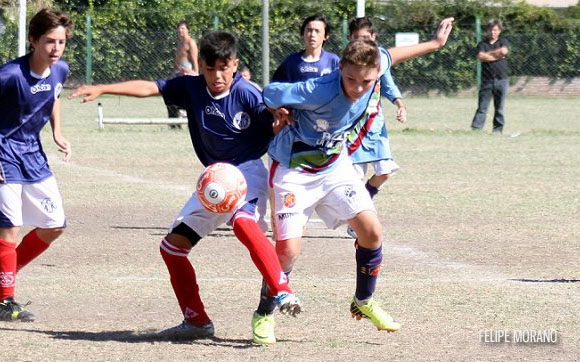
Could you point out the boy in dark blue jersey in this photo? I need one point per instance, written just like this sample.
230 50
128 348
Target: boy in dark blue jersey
228 122
313 61
30 87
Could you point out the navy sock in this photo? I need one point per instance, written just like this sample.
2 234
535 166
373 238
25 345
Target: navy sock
371 189
368 265
268 304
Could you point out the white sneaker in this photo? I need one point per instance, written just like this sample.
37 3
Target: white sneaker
288 304
187 331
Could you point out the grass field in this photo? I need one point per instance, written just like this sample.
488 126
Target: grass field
481 234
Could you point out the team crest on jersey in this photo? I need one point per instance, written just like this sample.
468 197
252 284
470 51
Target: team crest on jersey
57 90
241 120
44 87
289 199
321 125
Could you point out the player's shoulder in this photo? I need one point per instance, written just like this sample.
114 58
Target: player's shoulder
13 66
330 55
324 86
62 66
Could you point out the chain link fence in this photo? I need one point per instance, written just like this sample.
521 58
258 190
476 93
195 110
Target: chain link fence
124 52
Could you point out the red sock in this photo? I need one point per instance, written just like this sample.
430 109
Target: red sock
7 269
30 247
262 252
184 283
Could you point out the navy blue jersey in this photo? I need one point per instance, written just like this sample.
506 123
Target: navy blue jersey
295 69
26 104
234 127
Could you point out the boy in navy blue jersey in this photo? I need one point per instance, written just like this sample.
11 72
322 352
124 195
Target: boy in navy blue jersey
228 122
313 61
30 87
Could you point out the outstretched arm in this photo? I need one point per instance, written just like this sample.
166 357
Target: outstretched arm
402 54
132 88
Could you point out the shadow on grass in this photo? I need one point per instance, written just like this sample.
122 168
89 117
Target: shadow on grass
546 280
127 336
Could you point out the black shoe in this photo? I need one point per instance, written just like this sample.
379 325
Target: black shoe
12 311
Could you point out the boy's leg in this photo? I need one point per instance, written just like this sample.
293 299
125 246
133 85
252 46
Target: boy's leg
41 206
35 243
369 256
500 91
174 250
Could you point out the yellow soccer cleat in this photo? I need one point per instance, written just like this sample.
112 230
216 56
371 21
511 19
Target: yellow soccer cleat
263 328
379 317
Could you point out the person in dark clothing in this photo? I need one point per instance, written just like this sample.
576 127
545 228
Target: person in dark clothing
492 53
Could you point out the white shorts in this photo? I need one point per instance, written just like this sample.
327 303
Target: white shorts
203 221
38 205
381 167
336 196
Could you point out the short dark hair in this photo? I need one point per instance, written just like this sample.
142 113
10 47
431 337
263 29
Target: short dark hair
217 45
182 22
362 53
316 17
47 19
361 23
493 22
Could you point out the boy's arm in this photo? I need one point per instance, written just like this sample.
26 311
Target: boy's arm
132 88
401 110
402 54
55 124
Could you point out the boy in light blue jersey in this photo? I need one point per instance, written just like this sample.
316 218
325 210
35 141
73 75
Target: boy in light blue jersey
30 88
311 170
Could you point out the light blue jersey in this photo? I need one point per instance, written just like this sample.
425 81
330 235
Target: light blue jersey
324 118
373 144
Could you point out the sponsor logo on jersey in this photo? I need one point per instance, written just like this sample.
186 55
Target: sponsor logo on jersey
289 199
241 120
48 205
308 69
57 90
44 87
329 140
285 215
321 125
213 110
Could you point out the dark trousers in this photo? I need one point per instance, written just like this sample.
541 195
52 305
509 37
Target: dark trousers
498 88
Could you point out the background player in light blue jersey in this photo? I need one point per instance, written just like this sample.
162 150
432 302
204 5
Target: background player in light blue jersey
311 170
313 61
30 87
372 146
228 122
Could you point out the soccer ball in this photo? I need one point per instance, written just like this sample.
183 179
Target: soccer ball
221 187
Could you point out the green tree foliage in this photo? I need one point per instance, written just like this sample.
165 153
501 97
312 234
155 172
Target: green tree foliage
136 39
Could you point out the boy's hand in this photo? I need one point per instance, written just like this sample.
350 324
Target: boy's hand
282 117
402 114
443 31
63 146
89 92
